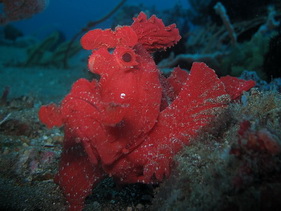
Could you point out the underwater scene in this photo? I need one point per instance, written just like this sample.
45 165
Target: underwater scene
135 105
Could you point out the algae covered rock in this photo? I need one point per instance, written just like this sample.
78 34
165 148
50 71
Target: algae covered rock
51 51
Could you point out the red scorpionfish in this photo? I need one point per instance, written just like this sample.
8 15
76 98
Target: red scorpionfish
132 121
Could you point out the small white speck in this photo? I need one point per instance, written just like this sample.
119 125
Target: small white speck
122 95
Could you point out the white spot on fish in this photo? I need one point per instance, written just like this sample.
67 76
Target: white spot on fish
122 95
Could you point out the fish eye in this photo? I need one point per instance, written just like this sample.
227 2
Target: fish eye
127 57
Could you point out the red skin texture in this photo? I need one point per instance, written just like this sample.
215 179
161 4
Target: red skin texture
131 122
235 87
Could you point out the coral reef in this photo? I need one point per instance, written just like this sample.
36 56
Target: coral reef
247 56
238 46
237 167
